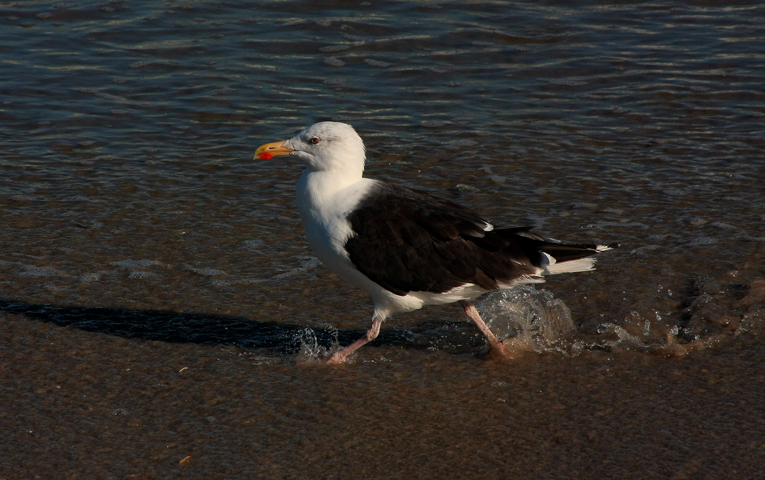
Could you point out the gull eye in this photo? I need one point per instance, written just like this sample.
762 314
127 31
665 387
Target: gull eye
315 140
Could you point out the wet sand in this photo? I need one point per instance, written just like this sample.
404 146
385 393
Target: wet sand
82 404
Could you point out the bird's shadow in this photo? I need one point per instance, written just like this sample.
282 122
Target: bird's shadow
201 328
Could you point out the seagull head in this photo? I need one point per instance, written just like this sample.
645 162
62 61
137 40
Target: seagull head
323 146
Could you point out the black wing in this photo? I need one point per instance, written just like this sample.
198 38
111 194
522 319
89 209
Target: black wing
407 240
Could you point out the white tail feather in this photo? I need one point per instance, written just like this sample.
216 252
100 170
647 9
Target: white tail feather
570 266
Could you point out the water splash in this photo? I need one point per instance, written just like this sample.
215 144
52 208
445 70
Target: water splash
528 319
311 348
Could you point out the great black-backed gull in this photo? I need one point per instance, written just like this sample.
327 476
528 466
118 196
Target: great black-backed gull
405 247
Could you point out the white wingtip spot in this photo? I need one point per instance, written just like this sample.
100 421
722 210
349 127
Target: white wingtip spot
488 227
602 248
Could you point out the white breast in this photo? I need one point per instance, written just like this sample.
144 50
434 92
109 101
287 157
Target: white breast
324 203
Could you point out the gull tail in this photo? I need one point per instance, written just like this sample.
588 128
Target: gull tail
557 257
570 258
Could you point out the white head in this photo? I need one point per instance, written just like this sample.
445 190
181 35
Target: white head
324 146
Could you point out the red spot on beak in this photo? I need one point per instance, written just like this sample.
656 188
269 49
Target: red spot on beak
265 156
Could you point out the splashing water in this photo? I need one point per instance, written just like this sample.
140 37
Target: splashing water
528 319
311 348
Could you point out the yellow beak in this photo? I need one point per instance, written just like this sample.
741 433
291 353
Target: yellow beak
270 150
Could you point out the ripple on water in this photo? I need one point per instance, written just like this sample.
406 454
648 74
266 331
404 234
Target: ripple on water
335 62
33 271
143 263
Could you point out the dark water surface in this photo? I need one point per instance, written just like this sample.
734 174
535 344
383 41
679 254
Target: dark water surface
158 300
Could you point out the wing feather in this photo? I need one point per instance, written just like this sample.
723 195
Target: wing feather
408 240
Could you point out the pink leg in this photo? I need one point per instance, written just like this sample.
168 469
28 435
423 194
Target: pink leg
471 312
374 330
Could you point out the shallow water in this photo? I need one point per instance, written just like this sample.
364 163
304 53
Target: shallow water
159 300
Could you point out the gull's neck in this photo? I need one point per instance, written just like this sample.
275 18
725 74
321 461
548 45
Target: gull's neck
316 190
